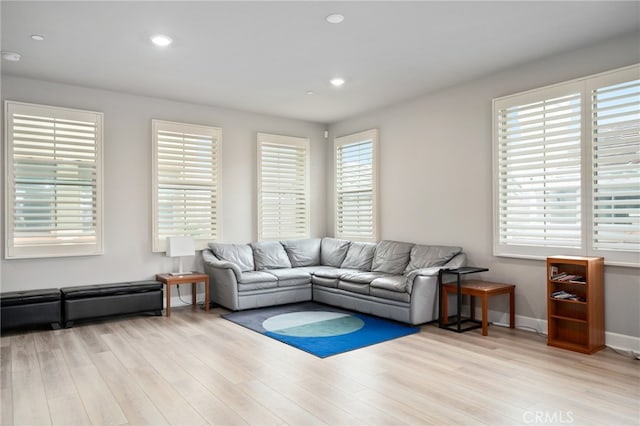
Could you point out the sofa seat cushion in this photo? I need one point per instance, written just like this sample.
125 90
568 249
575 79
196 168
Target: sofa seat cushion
353 287
290 277
25 297
333 251
390 295
335 272
391 257
324 282
305 252
256 280
359 256
329 277
102 290
240 254
362 277
423 256
397 283
269 255
316 269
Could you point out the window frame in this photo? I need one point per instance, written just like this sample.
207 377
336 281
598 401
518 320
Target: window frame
200 243
353 139
585 85
297 143
59 249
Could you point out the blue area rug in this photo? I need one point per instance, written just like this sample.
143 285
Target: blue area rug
319 329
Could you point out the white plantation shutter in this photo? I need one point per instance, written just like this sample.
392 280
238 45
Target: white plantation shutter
54 181
567 169
615 132
283 187
186 183
539 169
355 186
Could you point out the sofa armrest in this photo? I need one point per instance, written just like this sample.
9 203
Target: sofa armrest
223 280
213 262
457 261
424 272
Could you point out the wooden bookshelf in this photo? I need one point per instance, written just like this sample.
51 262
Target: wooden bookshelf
575 323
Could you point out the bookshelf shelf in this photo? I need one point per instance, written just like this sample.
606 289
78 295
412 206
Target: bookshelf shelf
559 317
575 310
567 282
568 301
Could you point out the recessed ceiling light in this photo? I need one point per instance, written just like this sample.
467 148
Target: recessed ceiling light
335 18
337 82
310 92
37 37
11 56
161 40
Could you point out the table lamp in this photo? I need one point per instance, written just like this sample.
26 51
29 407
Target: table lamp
179 247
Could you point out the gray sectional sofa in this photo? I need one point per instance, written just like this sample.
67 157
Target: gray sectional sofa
390 279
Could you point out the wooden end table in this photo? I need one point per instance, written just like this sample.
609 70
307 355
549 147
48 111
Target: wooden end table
193 278
483 289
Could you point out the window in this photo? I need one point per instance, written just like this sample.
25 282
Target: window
356 202
54 181
567 169
615 151
539 160
186 192
283 187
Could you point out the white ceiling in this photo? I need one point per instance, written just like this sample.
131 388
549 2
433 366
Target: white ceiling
264 56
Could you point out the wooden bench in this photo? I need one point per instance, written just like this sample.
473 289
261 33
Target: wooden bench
481 289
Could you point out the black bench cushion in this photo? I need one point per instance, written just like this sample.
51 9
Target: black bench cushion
101 290
15 298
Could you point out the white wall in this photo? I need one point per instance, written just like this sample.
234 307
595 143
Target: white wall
436 175
127 181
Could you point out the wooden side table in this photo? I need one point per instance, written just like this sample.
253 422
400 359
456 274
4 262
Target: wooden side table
481 289
193 278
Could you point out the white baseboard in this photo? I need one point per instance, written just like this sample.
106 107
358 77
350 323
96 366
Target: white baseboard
622 342
619 342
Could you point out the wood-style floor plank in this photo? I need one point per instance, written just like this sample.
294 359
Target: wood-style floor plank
291 411
30 405
6 383
170 403
55 374
196 368
250 410
6 406
136 406
68 410
99 402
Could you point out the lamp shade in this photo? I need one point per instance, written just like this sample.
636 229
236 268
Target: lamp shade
180 246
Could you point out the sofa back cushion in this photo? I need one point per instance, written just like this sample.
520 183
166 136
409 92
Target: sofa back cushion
333 251
240 254
391 257
304 252
423 256
359 256
269 255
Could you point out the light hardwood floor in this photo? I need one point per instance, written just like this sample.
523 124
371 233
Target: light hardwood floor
196 368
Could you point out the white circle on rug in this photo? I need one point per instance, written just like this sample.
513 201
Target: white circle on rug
313 324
